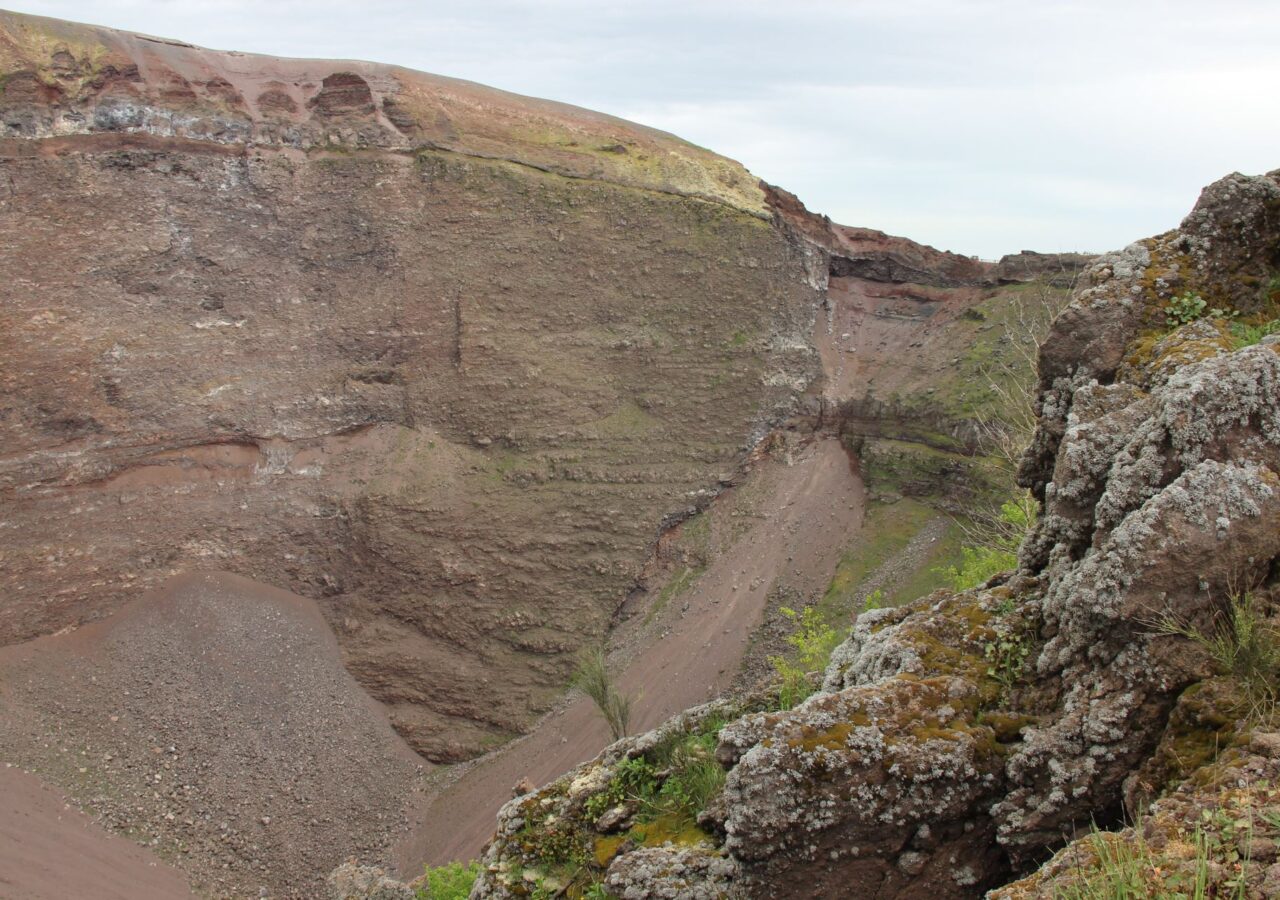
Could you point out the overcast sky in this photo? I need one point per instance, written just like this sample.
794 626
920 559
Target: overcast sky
980 126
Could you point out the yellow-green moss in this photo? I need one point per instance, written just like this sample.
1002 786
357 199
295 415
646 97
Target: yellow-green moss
1201 727
606 848
834 738
1153 352
669 829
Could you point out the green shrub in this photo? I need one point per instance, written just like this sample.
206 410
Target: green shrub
449 882
978 565
874 600
811 643
994 548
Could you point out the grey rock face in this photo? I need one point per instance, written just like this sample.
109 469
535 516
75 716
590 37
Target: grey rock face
667 873
355 882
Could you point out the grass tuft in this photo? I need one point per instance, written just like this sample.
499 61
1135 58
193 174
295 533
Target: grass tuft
593 679
1241 644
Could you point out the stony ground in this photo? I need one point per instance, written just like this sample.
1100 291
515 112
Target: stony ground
212 721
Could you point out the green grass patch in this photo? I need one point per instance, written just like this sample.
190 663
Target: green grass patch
1242 644
887 532
670 784
679 583
452 881
628 420
1246 334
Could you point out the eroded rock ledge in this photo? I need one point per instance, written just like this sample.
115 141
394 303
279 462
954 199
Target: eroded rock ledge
60 78
958 740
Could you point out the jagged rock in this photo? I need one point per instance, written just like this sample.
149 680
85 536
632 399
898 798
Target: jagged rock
669 873
834 793
352 881
1220 830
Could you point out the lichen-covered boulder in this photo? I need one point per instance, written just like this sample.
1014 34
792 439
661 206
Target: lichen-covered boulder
670 873
352 881
874 785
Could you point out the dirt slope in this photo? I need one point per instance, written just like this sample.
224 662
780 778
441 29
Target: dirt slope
212 719
812 504
51 851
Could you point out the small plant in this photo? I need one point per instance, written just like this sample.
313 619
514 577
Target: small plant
634 781
994 548
1242 644
978 564
1244 334
1005 606
696 777
452 881
675 780
874 600
1183 309
812 643
1188 307
593 679
1006 655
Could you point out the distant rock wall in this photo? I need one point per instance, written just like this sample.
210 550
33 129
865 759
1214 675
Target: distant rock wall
441 357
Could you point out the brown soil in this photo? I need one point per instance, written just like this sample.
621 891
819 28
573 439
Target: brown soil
812 502
874 335
51 851
212 720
